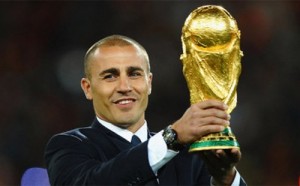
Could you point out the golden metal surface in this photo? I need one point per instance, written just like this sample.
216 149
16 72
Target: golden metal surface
212 65
211 55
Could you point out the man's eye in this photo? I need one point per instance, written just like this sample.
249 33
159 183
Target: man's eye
108 76
135 74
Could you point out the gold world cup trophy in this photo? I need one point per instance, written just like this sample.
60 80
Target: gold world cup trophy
212 65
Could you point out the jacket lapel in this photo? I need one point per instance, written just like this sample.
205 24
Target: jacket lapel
109 140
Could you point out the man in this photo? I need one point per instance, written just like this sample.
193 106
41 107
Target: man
118 82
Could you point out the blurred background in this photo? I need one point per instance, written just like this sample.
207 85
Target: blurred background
42 44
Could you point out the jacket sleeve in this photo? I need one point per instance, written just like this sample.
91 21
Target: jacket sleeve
71 161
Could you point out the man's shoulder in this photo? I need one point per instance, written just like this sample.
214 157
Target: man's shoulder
78 133
74 135
71 143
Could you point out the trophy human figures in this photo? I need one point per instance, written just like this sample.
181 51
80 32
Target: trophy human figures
212 65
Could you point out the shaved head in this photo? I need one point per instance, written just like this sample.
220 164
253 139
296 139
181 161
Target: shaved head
110 41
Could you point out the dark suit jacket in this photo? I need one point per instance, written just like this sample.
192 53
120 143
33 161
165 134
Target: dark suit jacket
96 156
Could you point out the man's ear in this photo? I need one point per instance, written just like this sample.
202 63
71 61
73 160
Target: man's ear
86 87
150 83
149 90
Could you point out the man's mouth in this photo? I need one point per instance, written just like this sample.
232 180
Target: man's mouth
124 101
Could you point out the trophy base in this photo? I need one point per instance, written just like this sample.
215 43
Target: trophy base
222 140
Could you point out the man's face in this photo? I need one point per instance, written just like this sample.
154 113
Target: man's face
119 85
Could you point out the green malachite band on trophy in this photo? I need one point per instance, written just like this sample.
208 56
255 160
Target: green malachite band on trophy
209 145
222 140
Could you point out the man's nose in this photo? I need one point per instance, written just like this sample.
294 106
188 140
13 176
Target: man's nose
124 85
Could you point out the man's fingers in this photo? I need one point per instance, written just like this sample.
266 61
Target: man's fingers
212 104
208 129
229 156
226 157
236 155
214 112
208 157
220 153
215 163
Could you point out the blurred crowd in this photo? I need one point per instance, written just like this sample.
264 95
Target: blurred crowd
42 44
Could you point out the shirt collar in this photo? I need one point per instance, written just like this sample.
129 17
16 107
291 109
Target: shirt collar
142 132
